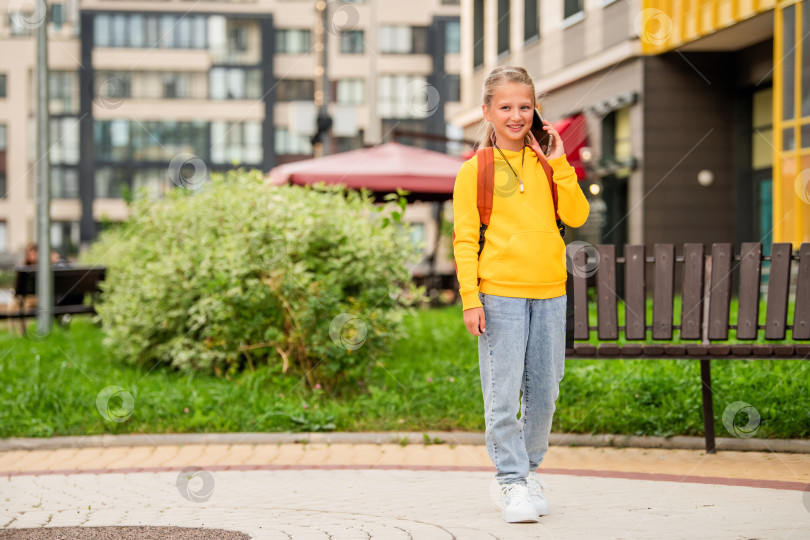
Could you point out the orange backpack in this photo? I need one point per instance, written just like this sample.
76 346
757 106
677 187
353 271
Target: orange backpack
486 190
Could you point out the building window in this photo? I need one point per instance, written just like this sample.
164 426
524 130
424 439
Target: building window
572 7
122 140
762 134
137 31
160 31
57 16
111 87
287 143
236 142
293 41
65 238
3 142
453 81
295 90
3 85
64 92
120 182
452 37
403 96
18 24
3 237
64 183
346 144
416 231
503 26
390 125
803 72
64 147
112 183
118 26
478 33
101 31
238 36
234 41
352 42
403 39
351 91
622 149
531 19
235 83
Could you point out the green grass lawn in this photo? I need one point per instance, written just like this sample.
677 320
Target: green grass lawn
429 382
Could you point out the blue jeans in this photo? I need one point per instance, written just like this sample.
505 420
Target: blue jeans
522 350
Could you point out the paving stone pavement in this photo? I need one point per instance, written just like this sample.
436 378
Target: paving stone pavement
343 492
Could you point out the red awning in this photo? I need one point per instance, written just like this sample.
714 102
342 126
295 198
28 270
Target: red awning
382 168
574 133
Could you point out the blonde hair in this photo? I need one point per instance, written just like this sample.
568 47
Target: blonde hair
497 79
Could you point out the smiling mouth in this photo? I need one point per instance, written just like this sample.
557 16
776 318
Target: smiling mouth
515 127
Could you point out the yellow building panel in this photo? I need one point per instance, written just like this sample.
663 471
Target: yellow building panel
726 14
707 19
667 24
791 189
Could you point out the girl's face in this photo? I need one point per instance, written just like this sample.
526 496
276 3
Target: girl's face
510 111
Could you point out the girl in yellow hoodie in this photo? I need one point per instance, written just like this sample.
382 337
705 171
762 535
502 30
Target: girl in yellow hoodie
513 295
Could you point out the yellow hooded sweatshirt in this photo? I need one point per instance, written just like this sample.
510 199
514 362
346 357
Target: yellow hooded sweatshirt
524 255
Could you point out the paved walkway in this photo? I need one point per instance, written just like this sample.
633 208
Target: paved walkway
388 491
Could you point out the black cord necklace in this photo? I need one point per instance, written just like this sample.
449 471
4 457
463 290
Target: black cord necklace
522 157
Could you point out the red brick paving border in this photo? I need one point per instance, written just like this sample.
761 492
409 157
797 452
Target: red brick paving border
660 477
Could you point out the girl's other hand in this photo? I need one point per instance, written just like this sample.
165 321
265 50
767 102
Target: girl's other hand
474 321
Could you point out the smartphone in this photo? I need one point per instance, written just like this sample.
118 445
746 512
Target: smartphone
537 129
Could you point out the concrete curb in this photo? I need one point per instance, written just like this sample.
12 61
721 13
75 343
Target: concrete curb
389 437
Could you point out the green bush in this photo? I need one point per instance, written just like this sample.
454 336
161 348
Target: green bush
241 273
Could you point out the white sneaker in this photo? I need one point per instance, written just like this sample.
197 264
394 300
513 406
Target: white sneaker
536 496
517 508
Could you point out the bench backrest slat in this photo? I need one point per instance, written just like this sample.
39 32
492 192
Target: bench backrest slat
692 304
801 315
607 314
748 308
663 291
778 288
635 304
580 260
720 294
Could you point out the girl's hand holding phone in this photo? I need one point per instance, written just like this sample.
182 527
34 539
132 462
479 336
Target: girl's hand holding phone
474 321
557 148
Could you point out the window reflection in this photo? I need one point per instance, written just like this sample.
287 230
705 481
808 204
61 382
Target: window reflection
292 143
160 31
122 140
236 143
293 41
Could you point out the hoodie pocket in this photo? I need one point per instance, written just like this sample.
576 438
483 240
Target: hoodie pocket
531 257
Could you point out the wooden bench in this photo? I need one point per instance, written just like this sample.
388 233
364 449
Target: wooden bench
70 285
706 277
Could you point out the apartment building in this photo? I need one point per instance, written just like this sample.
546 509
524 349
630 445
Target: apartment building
136 83
678 103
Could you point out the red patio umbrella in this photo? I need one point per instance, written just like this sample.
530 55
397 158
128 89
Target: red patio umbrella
424 173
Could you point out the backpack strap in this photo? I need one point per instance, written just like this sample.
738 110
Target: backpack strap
485 191
486 183
550 175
